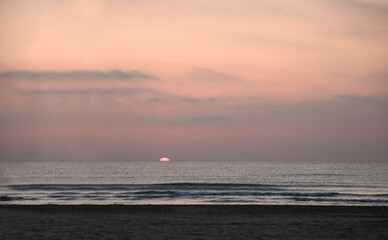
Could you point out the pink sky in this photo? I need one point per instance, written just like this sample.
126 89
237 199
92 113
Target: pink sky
194 80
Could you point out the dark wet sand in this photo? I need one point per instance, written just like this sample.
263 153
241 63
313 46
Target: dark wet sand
192 222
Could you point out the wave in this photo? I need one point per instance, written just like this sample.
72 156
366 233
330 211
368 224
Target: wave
86 187
321 174
340 200
192 186
190 192
5 198
8 198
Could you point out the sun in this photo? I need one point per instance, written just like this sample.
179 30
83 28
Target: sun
164 159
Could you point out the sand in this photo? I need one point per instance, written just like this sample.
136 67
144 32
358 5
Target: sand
192 222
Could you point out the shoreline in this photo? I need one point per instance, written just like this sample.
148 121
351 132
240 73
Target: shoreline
192 222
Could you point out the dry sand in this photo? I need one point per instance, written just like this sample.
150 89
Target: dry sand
192 222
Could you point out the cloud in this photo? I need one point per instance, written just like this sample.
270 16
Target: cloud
364 100
152 96
362 8
87 91
75 75
202 120
262 112
207 74
381 76
362 5
168 98
341 108
193 100
273 41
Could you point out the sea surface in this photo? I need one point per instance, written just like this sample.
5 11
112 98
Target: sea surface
201 182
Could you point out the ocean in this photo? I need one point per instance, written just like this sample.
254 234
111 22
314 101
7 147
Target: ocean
262 183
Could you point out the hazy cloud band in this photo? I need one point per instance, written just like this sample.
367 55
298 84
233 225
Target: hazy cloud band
75 75
86 91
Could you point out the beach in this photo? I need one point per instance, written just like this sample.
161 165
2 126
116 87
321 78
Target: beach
192 222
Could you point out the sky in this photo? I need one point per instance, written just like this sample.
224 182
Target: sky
235 80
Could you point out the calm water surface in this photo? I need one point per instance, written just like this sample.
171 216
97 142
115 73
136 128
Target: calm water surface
194 183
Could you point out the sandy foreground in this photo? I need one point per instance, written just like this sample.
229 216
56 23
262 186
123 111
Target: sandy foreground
192 222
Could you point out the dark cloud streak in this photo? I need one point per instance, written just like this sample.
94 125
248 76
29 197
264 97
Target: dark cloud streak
364 100
207 74
364 9
75 75
86 91
342 107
